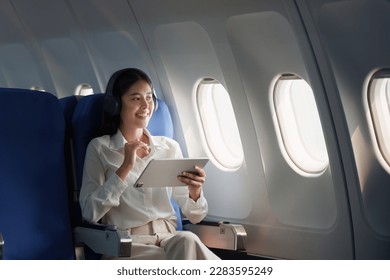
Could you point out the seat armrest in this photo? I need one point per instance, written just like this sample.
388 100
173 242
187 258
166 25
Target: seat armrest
1 247
220 235
104 239
98 226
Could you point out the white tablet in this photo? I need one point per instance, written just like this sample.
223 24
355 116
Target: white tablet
164 172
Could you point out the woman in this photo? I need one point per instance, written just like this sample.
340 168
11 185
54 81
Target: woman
114 161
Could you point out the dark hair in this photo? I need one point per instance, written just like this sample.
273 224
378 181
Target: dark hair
118 84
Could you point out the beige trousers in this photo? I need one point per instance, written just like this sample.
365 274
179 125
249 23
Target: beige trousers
159 240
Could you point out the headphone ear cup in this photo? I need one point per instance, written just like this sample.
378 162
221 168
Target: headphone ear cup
155 104
110 104
155 100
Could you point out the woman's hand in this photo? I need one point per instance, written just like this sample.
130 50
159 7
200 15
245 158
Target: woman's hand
131 150
194 181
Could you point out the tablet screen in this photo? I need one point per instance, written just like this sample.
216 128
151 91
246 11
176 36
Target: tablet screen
164 172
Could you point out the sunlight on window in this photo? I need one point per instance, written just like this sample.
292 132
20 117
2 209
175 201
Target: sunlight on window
379 104
83 90
298 126
219 125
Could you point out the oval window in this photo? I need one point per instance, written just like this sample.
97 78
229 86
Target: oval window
83 90
219 125
379 105
298 126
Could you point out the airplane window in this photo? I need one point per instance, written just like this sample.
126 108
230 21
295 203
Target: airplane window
379 104
223 143
298 126
83 90
37 88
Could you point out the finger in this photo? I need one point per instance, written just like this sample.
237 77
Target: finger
194 177
200 171
137 144
142 145
190 182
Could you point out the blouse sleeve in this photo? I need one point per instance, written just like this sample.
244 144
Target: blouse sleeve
195 211
98 195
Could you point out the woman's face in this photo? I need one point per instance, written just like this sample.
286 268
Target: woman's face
137 105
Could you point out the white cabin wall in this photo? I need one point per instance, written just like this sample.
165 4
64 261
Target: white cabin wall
185 53
60 44
53 34
276 44
245 46
112 38
264 54
351 41
20 67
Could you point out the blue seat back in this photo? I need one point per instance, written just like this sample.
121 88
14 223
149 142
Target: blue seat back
34 213
87 119
68 105
161 122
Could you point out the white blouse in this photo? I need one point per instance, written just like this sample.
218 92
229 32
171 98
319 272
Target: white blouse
105 196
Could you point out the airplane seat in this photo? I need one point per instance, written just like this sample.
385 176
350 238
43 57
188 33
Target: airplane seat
34 212
161 122
1 246
86 120
68 105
